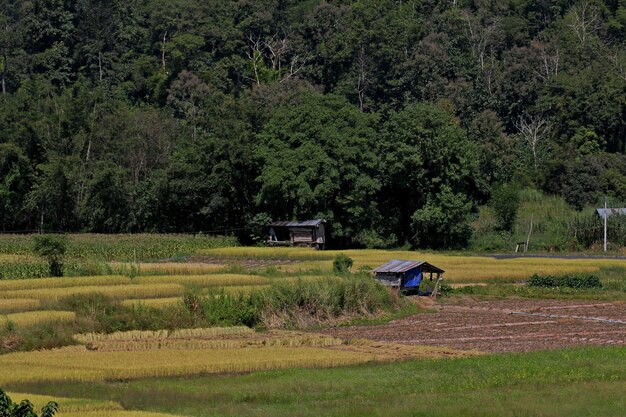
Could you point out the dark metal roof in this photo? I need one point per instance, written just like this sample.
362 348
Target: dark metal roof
398 266
307 223
610 211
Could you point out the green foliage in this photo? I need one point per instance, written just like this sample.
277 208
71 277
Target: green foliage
342 263
221 309
52 248
505 202
444 221
192 116
24 408
302 303
305 303
576 281
300 176
123 248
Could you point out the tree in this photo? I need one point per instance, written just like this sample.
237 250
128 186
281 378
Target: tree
505 202
15 181
443 223
533 131
25 408
319 160
423 150
52 248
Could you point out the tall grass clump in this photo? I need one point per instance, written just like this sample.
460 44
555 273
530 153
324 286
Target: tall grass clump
304 303
294 304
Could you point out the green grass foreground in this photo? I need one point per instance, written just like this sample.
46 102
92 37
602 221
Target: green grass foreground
576 382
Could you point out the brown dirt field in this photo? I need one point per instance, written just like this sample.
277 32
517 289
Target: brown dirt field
512 325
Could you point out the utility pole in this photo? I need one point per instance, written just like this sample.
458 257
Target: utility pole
606 216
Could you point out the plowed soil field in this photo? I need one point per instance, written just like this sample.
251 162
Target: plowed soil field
512 325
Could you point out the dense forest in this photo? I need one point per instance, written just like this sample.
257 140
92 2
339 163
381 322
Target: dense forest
392 119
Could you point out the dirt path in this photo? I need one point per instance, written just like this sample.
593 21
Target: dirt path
512 325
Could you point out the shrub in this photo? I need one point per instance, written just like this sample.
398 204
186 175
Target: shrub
52 248
577 281
342 263
25 408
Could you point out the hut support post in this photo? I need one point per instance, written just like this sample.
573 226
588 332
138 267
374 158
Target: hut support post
436 288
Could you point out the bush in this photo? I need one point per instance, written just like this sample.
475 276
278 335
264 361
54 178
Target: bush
52 248
342 263
577 281
25 408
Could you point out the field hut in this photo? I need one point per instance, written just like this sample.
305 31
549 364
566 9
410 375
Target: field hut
311 233
408 275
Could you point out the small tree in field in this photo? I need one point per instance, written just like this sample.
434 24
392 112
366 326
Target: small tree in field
52 248
25 408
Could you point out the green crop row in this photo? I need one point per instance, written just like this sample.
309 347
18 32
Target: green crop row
121 247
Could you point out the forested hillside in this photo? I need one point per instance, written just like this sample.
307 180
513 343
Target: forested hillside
394 120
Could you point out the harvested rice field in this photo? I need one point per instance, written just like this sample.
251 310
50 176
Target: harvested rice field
512 325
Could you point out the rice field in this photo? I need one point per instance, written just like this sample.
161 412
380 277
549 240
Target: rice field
152 302
215 280
30 318
165 268
74 364
79 407
164 334
129 291
62 282
13 305
459 268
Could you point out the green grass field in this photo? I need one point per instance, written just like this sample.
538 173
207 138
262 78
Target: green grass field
572 383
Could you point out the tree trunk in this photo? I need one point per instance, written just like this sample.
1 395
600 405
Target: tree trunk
4 71
100 64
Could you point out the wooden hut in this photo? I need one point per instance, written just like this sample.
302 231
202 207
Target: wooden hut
408 275
310 233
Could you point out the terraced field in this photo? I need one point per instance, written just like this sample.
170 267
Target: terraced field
457 327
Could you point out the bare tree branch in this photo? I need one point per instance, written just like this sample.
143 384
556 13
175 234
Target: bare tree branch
534 132
585 21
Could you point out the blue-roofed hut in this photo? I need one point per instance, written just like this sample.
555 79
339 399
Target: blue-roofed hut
407 275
